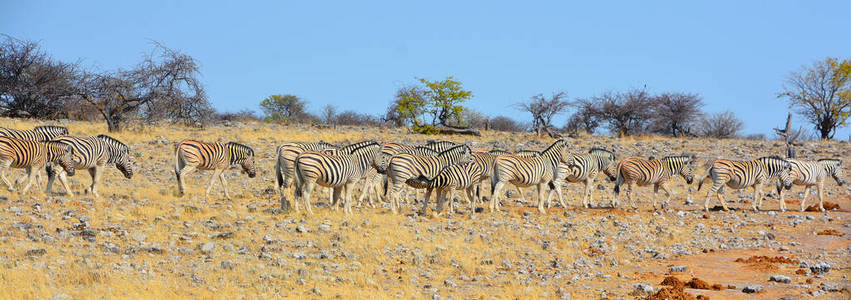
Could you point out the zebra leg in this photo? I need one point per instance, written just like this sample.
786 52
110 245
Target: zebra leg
806 195
391 196
820 188
3 168
181 178
441 198
63 179
31 172
470 198
757 198
307 188
425 201
494 205
216 173
655 194
541 199
224 184
586 197
664 188
520 194
96 173
630 190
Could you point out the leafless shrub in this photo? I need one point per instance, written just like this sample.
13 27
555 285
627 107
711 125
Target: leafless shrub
351 117
675 114
721 125
626 113
503 123
543 110
472 118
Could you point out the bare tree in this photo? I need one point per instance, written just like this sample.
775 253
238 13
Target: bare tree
586 118
790 137
543 110
503 123
328 113
676 114
821 94
165 84
721 125
32 84
625 113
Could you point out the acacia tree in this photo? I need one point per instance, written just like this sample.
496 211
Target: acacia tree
424 107
32 84
821 94
625 113
543 110
165 84
675 114
287 107
586 118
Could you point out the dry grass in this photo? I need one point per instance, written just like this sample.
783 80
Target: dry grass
372 254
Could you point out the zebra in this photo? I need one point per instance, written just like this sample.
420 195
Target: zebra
811 174
366 176
337 171
642 172
191 154
38 133
285 158
486 161
464 176
524 172
403 167
391 149
584 168
31 155
743 174
92 153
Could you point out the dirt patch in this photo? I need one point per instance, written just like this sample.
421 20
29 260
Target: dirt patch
827 206
696 283
767 259
833 232
674 290
801 272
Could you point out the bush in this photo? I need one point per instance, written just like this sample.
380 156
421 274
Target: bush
721 125
503 123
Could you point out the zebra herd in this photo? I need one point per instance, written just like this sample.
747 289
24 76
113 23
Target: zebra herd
386 169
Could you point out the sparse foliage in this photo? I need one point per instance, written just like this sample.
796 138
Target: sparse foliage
286 108
821 93
676 114
473 118
32 84
438 100
503 123
721 125
328 114
351 117
543 110
585 119
626 113
165 84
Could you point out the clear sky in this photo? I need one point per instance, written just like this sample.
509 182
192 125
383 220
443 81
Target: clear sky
355 54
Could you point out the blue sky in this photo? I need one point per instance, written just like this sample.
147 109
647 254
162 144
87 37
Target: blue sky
355 54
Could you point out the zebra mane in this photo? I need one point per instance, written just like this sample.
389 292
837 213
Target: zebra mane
355 146
498 152
361 145
596 149
834 160
772 157
112 140
241 147
455 147
557 142
677 156
51 128
427 149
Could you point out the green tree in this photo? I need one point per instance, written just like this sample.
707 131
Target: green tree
444 100
822 94
289 108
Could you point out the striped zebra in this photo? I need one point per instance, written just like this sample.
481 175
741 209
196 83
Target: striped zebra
642 172
524 172
191 154
366 176
285 162
464 176
38 133
809 174
439 145
391 149
32 156
403 167
486 161
92 153
340 172
585 168
743 174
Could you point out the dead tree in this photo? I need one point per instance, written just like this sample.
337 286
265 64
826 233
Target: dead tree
543 110
790 137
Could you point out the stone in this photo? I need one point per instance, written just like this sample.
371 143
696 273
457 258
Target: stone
780 279
679 269
753 288
642 288
139 237
207 247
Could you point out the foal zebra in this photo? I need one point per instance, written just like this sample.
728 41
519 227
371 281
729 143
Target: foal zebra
38 133
403 167
584 168
524 172
285 163
190 155
809 174
464 176
31 155
340 172
92 153
743 174
642 172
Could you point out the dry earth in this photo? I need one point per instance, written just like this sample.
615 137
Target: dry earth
140 241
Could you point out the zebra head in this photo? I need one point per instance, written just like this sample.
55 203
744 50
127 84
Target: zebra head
119 155
682 165
833 168
779 167
61 153
244 156
605 161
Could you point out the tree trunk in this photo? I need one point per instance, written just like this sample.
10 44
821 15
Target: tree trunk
113 124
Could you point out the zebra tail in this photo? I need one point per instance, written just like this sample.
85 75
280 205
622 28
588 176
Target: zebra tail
700 183
177 162
298 180
618 181
279 177
551 185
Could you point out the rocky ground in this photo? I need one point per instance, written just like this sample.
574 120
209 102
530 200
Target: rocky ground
140 240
